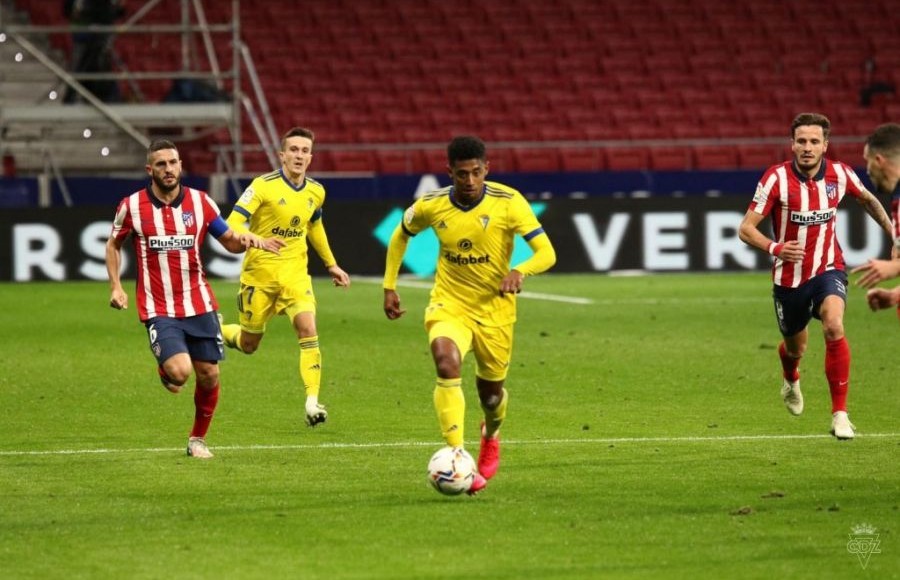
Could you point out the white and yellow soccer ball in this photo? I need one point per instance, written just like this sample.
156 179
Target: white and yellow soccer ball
451 470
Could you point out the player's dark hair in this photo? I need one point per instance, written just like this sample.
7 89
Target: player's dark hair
885 139
159 145
812 119
298 132
465 147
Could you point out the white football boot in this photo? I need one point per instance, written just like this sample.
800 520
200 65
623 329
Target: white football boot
197 448
841 427
315 413
793 398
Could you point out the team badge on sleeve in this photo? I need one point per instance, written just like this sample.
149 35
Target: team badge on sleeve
247 195
760 196
409 215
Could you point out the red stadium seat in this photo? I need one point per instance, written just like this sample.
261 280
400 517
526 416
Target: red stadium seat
670 158
715 157
753 156
645 129
582 159
627 158
353 161
435 160
500 158
534 160
399 161
321 161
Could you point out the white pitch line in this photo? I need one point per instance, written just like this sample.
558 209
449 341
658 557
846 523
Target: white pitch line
533 295
606 441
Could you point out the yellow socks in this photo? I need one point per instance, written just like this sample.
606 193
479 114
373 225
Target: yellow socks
494 418
450 404
310 365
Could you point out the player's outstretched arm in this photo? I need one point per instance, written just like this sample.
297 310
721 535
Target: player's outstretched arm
237 243
875 271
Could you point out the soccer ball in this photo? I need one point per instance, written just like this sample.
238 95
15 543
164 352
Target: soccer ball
451 470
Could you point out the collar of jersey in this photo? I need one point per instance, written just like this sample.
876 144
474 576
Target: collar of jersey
466 207
291 183
159 203
802 176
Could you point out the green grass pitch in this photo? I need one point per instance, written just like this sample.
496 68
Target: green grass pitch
645 439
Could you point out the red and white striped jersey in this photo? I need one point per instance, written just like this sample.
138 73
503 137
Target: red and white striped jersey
804 209
167 241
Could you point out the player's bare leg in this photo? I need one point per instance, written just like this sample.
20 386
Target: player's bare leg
175 371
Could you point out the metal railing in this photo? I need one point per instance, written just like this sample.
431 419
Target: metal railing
193 25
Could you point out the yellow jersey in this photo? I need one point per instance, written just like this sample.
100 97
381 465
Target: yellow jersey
275 207
476 244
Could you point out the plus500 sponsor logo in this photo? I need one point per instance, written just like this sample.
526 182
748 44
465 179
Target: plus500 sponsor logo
167 243
813 217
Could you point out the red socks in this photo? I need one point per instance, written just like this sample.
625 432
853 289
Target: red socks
789 364
205 401
837 371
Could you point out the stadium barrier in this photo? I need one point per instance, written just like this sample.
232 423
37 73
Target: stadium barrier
598 234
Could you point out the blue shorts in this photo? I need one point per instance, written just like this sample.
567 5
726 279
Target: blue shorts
199 336
795 307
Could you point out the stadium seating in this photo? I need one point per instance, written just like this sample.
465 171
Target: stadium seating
670 158
757 156
391 72
627 158
714 157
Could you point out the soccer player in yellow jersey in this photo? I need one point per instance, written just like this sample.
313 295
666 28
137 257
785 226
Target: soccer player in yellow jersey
285 204
473 301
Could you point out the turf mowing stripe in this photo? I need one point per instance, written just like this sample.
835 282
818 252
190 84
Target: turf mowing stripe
611 440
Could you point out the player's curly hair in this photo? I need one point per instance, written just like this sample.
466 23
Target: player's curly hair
812 119
466 147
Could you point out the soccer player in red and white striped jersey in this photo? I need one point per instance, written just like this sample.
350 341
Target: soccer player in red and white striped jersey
168 223
802 196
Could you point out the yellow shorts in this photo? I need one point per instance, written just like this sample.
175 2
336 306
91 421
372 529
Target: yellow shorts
256 304
492 345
